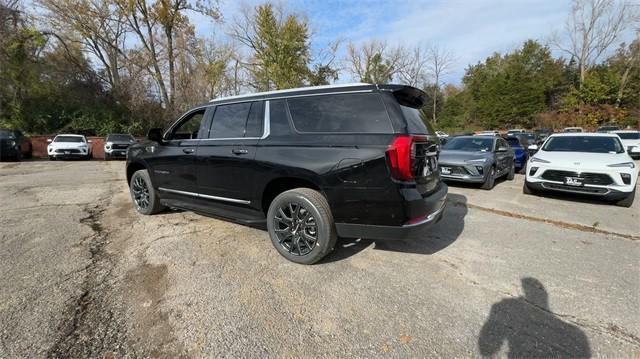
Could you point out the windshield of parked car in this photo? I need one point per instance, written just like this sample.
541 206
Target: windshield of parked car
513 142
68 139
120 138
7 134
572 130
591 144
470 144
629 135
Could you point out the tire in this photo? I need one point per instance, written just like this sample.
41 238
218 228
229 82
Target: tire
316 217
51 158
490 181
526 189
627 201
512 172
144 196
107 157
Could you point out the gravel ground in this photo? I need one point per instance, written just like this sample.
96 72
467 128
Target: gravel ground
82 275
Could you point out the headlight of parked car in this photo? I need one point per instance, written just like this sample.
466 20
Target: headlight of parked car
477 160
12 143
624 165
536 159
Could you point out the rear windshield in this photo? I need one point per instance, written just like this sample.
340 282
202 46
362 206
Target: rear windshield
591 144
344 113
416 121
470 144
68 139
120 138
629 135
7 134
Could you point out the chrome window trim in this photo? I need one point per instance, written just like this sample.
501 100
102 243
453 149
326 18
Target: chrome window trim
199 195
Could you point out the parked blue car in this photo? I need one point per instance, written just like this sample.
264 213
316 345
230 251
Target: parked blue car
519 145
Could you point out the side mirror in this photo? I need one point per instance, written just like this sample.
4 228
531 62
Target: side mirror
502 149
155 134
49 140
533 148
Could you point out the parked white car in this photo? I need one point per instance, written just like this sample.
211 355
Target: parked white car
594 164
69 146
631 141
442 134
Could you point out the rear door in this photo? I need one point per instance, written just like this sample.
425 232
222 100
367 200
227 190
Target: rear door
225 167
503 159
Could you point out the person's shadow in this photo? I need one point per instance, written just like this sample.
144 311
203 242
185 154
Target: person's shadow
530 329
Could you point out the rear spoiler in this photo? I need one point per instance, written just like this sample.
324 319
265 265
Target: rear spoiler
406 95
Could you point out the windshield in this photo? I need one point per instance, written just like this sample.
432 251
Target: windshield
68 139
7 134
591 144
470 144
416 121
513 142
629 135
120 138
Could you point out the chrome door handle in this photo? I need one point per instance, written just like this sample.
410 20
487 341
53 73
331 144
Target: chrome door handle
188 150
238 151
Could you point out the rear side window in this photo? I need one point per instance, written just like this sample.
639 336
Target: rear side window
279 121
416 121
344 113
238 120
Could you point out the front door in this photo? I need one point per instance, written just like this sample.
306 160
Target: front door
173 164
225 160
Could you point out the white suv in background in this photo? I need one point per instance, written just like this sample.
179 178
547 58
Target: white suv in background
631 141
586 163
69 146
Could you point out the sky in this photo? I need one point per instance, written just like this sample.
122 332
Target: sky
472 30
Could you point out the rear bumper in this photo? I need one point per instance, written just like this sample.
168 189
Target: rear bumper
600 191
435 205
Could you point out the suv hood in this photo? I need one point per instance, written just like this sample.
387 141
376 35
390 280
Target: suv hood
583 160
452 156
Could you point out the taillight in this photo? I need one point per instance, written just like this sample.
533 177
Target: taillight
402 155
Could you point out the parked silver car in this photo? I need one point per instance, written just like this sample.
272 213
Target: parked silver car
477 159
116 145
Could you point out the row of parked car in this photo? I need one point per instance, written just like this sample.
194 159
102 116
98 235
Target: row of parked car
69 146
597 164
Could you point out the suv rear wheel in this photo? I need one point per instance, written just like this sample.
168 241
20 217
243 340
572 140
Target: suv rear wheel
301 225
144 196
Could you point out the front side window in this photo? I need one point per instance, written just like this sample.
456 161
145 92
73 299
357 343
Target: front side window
590 144
189 127
69 139
344 113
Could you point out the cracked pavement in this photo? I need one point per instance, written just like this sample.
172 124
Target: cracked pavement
83 275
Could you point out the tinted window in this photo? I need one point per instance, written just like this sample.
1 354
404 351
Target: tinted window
351 113
6 134
629 135
229 121
471 144
416 121
255 120
278 119
189 127
592 144
68 139
513 142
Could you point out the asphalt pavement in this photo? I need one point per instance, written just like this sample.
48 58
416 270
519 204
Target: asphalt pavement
83 275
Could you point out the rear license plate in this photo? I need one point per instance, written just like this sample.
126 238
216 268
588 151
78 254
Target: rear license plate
445 170
573 181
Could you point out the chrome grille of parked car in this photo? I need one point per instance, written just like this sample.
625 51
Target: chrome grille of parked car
589 178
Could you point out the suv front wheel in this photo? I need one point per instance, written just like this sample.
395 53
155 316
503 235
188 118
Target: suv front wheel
301 225
144 196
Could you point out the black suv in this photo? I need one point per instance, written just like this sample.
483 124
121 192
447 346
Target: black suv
313 163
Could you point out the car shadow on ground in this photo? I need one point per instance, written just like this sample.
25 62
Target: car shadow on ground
434 238
530 329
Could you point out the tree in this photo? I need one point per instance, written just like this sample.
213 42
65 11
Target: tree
374 61
440 62
592 27
279 46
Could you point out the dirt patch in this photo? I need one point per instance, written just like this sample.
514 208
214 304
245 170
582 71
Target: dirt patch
148 284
